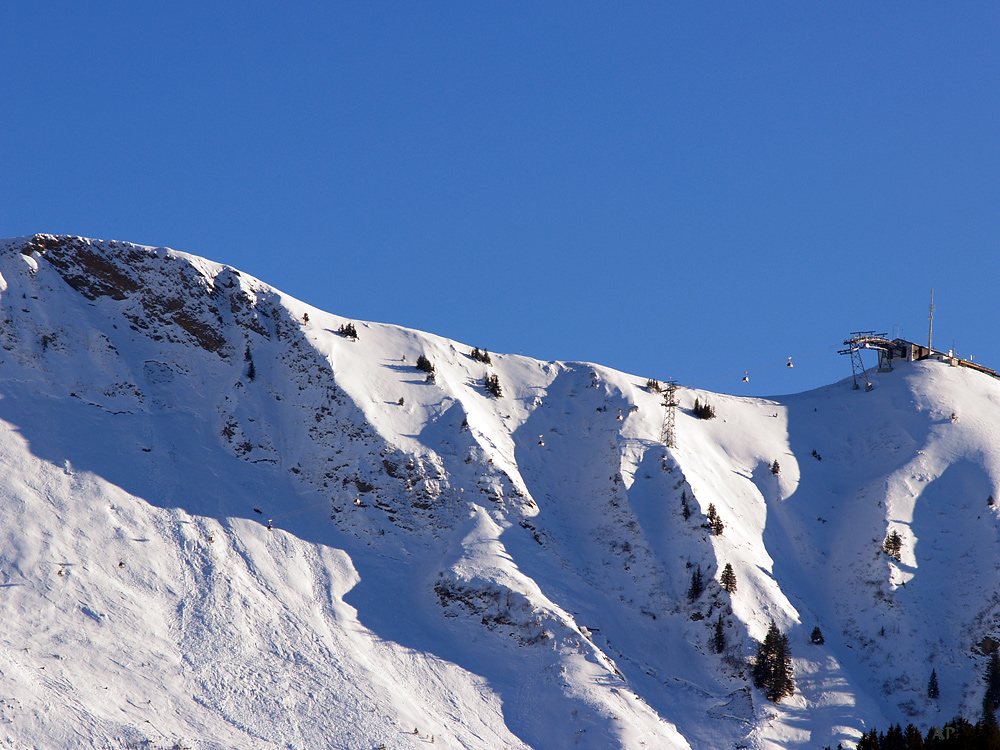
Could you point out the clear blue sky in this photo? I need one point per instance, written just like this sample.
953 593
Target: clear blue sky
684 190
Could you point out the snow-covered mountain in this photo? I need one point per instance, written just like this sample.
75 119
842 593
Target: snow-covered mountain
225 524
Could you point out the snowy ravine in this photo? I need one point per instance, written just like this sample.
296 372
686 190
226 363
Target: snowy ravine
227 525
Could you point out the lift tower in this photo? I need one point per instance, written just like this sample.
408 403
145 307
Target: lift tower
669 434
870 340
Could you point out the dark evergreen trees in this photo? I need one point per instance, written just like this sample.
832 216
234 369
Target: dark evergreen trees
714 522
772 668
933 692
893 545
719 637
992 679
775 468
911 738
728 579
425 364
492 385
817 636
697 584
348 331
957 733
251 370
481 356
703 411
685 508
989 717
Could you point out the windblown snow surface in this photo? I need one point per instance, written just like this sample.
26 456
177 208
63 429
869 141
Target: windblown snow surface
226 525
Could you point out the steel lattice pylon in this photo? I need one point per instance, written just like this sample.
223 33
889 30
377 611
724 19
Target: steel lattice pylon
858 364
869 340
668 436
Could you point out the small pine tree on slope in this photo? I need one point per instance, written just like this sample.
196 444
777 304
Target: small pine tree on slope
492 385
719 637
933 692
728 579
714 522
697 585
772 668
425 364
251 370
893 545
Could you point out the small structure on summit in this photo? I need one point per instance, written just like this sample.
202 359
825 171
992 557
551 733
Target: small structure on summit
898 348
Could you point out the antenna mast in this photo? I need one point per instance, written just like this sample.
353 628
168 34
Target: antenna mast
930 327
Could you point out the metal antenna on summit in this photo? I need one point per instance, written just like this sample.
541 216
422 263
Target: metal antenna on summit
930 325
669 435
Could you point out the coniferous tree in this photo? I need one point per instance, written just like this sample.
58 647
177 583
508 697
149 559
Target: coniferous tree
992 679
697 584
728 579
425 364
893 545
869 741
763 666
989 717
772 668
251 370
817 636
775 468
783 684
933 692
685 508
714 522
893 738
492 385
703 411
719 637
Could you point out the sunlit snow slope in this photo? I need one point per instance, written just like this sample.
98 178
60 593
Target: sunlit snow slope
227 525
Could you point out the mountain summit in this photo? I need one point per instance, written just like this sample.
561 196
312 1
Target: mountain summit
232 520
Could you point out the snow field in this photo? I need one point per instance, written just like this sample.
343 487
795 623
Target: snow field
490 572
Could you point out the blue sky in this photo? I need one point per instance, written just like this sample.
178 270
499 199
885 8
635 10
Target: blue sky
674 190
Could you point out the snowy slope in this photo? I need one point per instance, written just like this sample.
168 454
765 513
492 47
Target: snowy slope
442 565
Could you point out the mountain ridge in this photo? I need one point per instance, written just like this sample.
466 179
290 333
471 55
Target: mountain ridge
506 571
